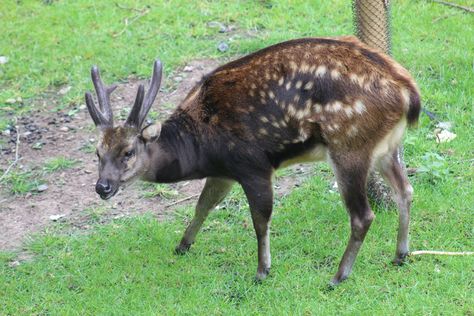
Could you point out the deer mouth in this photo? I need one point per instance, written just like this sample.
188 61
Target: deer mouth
109 195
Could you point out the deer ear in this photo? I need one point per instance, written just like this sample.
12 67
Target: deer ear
151 132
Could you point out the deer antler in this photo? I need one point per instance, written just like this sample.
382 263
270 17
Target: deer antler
144 102
101 116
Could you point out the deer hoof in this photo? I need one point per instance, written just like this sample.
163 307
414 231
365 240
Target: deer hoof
400 259
261 275
181 249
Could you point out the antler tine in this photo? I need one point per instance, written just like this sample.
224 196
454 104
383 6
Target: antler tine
152 90
134 116
103 96
144 102
96 115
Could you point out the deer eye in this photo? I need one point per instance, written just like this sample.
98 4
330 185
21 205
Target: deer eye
129 154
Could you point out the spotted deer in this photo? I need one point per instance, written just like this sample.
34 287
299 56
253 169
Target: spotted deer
303 100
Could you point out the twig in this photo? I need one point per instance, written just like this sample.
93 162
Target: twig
127 23
442 17
454 5
182 200
444 253
17 153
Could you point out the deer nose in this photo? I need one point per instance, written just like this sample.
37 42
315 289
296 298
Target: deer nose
103 187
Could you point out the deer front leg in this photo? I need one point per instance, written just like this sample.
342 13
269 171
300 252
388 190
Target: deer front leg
214 191
260 196
351 177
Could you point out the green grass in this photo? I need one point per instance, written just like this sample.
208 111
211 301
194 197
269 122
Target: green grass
59 163
21 182
130 262
152 190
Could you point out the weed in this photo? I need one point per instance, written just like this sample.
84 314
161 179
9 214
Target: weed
158 190
59 163
21 182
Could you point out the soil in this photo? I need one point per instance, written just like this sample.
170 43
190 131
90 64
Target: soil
69 196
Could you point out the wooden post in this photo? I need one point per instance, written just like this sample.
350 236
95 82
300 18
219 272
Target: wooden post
372 24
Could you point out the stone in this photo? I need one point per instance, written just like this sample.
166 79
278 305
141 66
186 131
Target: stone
56 217
42 187
223 47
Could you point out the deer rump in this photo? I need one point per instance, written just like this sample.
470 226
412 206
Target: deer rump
302 100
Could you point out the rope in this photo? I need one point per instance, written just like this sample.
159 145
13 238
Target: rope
442 253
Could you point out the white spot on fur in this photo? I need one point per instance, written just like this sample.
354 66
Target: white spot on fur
262 132
348 111
317 108
291 109
359 107
304 67
293 66
296 99
334 107
264 119
321 70
288 85
335 74
298 84
271 95
280 82
308 85
262 93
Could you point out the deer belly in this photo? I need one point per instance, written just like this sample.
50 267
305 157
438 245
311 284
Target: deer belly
316 153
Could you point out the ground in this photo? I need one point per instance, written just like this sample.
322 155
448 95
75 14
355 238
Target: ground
99 252
70 196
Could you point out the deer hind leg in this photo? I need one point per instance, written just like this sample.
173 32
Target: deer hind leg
394 174
352 177
214 191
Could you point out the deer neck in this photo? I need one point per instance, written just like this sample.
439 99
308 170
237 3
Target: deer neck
174 156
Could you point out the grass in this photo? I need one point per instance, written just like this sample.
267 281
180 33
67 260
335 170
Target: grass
59 163
21 182
152 190
130 262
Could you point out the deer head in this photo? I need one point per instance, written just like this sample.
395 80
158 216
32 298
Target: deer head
122 150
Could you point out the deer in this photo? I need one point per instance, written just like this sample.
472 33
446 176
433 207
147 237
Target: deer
303 100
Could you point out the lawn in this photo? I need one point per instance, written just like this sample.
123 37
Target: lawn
128 265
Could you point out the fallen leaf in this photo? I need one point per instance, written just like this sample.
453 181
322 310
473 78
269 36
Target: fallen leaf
445 136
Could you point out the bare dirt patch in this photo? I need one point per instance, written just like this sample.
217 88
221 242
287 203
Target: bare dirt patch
70 195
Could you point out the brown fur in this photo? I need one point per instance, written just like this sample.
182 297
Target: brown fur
301 100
